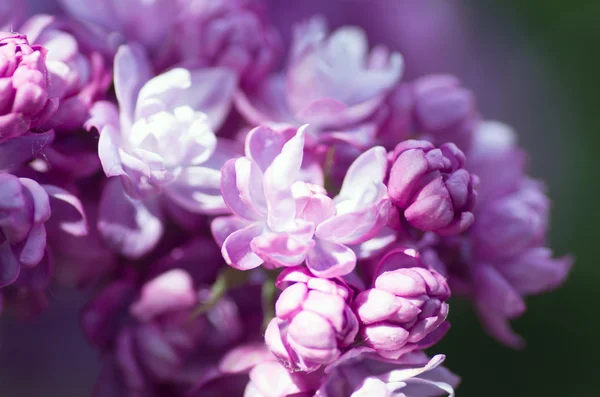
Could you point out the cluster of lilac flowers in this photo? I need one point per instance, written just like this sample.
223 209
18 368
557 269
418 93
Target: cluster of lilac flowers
255 229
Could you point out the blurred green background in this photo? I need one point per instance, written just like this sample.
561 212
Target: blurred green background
533 65
562 327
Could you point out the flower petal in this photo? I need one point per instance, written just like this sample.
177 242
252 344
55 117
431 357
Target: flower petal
130 227
329 259
241 187
278 180
67 211
281 249
132 70
237 251
197 189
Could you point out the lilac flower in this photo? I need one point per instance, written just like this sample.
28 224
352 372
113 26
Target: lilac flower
271 379
25 207
228 33
313 320
283 222
268 377
406 308
511 223
154 340
331 82
145 22
27 101
361 373
162 145
431 187
503 257
78 73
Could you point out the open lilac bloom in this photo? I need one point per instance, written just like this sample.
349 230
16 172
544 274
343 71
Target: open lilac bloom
503 257
27 99
331 82
431 187
228 33
162 144
406 308
313 320
250 228
283 222
155 343
25 208
360 373
78 73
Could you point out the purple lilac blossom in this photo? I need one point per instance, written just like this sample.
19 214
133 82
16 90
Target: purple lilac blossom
78 72
314 320
25 209
360 372
331 82
235 34
156 345
28 100
161 142
283 222
503 257
406 308
431 187
434 108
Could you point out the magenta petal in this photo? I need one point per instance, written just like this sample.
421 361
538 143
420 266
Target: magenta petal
329 259
130 227
236 248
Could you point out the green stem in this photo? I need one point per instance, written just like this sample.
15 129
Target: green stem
229 278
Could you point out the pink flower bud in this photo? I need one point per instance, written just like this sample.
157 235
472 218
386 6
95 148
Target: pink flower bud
406 309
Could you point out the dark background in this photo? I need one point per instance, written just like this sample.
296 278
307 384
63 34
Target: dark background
533 64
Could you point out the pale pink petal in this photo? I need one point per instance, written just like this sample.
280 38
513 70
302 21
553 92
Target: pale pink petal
329 259
237 250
